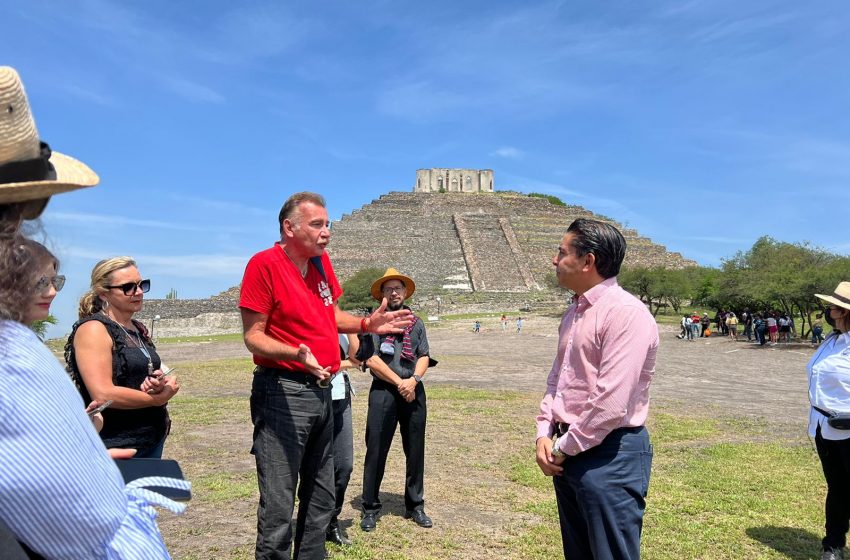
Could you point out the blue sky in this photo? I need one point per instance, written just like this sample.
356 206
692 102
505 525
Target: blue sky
703 125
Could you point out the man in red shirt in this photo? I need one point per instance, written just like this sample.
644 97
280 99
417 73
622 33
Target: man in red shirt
290 322
590 430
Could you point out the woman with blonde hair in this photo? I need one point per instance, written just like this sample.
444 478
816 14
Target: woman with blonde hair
111 357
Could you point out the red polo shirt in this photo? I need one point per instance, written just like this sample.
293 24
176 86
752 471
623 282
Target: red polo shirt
299 310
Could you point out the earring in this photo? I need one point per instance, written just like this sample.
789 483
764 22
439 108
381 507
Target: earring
104 305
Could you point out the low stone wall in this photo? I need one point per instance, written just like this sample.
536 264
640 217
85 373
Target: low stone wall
205 324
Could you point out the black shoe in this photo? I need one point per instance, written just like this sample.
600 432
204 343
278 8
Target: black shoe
369 522
418 516
335 535
832 554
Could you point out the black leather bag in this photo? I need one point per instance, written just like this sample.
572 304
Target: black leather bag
837 420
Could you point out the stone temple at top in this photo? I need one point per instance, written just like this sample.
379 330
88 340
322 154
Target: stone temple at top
439 179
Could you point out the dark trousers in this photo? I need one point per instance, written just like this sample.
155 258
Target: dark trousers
386 410
601 497
343 449
835 460
293 436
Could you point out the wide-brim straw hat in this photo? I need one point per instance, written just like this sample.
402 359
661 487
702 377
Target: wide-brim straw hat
29 170
392 274
840 297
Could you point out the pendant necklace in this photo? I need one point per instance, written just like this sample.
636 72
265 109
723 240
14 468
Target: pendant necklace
139 341
306 268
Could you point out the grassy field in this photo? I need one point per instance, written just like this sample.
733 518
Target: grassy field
722 487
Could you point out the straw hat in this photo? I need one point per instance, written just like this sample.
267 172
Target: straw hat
29 171
840 297
392 274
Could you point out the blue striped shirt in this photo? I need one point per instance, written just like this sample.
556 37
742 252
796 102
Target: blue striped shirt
60 492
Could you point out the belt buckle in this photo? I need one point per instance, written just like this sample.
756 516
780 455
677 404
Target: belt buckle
323 383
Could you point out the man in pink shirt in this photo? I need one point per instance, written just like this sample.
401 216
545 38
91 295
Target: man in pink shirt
590 431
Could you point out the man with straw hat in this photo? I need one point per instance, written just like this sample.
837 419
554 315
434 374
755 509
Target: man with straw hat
397 397
61 494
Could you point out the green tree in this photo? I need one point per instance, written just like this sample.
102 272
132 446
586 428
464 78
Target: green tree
775 275
356 289
40 326
646 284
674 286
172 294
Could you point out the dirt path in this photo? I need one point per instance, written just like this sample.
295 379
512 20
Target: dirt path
735 377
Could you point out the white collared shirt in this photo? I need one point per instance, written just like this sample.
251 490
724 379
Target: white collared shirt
829 384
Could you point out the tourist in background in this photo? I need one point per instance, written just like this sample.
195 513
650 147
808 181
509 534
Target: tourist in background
829 394
696 325
747 320
732 325
110 356
61 495
590 430
705 323
817 330
772 327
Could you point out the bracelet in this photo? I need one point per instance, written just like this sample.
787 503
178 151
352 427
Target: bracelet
363 328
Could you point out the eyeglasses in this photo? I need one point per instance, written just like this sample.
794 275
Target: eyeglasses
58 282
129 288
397 289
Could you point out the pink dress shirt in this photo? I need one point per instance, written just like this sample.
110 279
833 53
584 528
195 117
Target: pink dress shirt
600 379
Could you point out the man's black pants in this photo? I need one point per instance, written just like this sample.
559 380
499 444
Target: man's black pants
293 437
601 497
835 460
386 410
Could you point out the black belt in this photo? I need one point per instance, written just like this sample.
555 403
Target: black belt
562 427
292 375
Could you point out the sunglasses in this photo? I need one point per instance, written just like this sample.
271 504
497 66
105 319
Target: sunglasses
129 288
58 282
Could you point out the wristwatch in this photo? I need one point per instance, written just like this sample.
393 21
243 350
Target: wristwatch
555 451
417 378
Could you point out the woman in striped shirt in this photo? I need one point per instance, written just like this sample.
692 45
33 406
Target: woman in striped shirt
61 495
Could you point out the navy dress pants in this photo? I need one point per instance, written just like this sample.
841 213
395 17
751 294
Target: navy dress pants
293 447
601 497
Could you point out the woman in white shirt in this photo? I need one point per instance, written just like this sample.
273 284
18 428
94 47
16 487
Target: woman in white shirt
829 394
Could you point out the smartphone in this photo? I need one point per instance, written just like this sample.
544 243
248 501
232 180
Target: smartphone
101 408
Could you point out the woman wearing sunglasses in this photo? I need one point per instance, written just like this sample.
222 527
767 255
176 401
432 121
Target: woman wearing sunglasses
46 283
111 357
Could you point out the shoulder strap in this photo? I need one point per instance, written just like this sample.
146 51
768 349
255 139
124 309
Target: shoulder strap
317 262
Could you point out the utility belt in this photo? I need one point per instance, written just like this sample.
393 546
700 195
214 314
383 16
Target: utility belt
301 377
